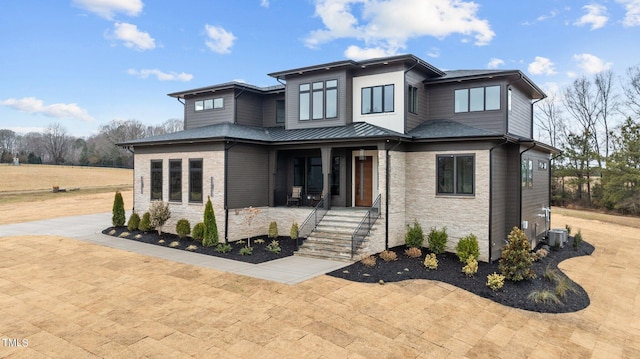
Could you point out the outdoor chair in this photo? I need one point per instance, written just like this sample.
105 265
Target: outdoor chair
295 197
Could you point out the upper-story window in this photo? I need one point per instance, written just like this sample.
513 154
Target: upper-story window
477 99
280 111
412 97
209 104
319 100
377 99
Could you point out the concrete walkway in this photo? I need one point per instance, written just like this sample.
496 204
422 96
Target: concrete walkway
288 270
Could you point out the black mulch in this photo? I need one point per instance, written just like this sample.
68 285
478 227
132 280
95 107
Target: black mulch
513 294
259 255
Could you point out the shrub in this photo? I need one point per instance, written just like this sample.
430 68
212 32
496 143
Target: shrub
543 296
259 241
568 228
368 261
134 222
223 248
467 247
183 228
198 232
495 281
274 246
577 240
293 233
541 253
388 256
210 227
437 240
430 261
563 287
414 236
273 230
551 275
246 251
118 217
515 262
145 222
160 213
471 268
413 252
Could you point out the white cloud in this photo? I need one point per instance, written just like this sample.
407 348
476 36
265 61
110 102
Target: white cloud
632 17
108 8
386 26
264 3
219 39
58 110
160 75
541 66
24 130
132 37
494 63
596 16
357 53
434 52
591 64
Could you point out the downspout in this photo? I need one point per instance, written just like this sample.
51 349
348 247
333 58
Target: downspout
550 178
491 192
406 107
235 105
386 200
226 182
520 200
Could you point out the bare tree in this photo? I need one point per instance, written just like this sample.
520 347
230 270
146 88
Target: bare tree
56 142
173 125
608 105
550 120
632 89
583 104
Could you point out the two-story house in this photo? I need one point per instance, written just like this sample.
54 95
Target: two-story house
450 149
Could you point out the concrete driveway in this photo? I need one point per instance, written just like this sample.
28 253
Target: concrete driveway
72 298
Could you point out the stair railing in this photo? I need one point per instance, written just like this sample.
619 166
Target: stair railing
364 228
314 217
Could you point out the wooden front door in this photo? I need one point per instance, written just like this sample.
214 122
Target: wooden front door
364 181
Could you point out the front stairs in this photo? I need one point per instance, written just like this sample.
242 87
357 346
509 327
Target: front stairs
331 239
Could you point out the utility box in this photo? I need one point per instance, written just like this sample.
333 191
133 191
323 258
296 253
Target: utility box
558 237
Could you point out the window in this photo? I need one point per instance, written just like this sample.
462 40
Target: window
477 99
331 103
527 173
305 105
279 111
175 180
208 104
319 100
455 174
412 104
195 180
156 180
307 173
377 99
542 165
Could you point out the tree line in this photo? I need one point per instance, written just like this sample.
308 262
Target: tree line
595 123
54 145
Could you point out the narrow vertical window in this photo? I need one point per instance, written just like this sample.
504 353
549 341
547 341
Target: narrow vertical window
156 180
445 174
279 111
377 99
492 98
530 174
388 98
476 99
195 180
524 172
175 180
318 100
366 100
412 99
305 105
464 174
331 103
509 99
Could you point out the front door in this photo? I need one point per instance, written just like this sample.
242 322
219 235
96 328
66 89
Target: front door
364 181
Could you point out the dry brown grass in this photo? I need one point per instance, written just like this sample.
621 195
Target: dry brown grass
597 216
44 177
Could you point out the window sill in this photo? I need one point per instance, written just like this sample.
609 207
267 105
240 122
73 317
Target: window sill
467 196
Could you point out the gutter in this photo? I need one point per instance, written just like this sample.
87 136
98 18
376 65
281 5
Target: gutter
226 182
387 189
491 192
235 105
550 178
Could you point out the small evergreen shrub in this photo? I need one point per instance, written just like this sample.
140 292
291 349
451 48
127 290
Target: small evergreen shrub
414 236
134 222
468 247
210 227
183 228
577 240
198 232
293 233
437 240
388 256
430 261
368 261
495 281
160 214
246 251
223 248
471 268
515 262
273 230
413 252
118 218
145 222
274 246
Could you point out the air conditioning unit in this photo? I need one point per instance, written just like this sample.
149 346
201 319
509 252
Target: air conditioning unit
557 236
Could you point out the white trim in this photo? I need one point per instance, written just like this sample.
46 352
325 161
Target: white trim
374 175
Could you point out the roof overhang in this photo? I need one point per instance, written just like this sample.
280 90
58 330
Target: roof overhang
463 76
228 86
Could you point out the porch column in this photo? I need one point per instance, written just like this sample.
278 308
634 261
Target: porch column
326 172
273 159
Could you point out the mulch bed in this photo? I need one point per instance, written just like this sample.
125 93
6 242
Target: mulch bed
260 253
513 294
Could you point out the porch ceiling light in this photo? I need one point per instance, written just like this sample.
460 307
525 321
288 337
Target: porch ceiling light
362 155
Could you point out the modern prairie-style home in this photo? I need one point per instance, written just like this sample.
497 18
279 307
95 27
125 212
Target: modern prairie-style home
353 151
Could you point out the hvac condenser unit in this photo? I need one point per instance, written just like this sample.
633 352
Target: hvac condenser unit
558 237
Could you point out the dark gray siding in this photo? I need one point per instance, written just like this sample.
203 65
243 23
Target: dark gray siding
520 116
536 197
248 176
499 173
512 194
441 106
415 79
249 108
195 119
219 146
293 99
269 110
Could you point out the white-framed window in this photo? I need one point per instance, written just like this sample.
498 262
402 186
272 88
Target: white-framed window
377 99
477 99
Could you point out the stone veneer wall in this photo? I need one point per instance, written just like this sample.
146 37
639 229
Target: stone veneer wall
283 216
461 215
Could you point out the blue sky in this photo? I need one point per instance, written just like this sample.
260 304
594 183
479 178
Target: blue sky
83 63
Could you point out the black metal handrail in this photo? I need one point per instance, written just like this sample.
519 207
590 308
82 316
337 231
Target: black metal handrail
364 228
315 217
